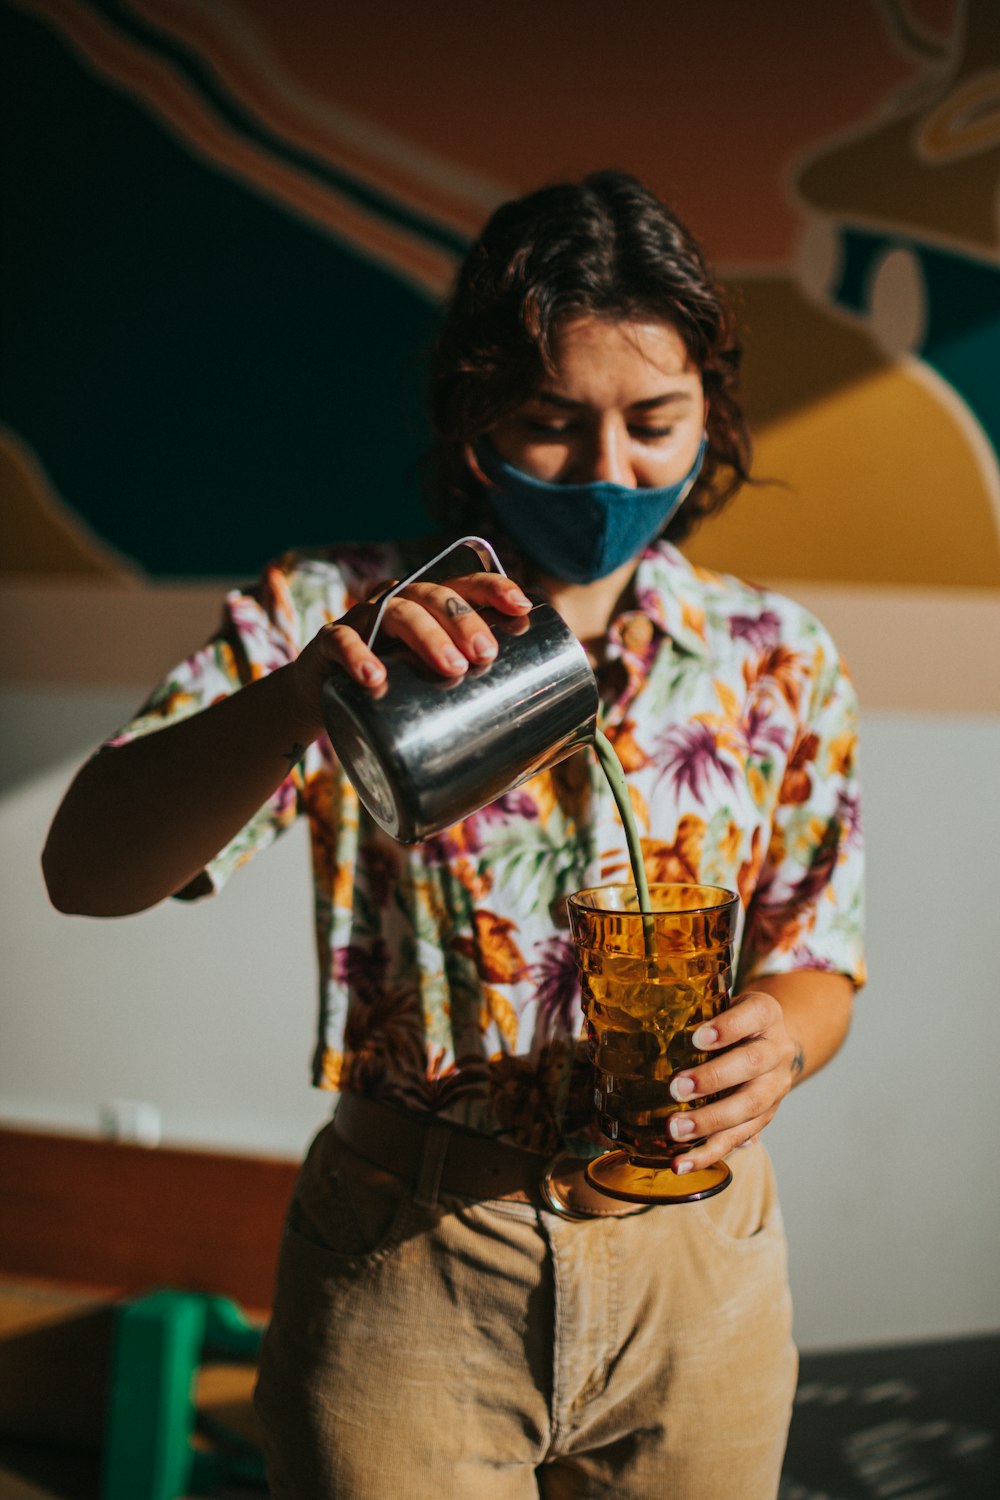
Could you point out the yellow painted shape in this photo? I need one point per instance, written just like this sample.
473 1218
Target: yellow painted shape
880 484
38 534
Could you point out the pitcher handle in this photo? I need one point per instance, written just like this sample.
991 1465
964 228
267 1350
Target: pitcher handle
477 544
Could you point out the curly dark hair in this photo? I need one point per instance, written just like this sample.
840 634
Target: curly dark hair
605 247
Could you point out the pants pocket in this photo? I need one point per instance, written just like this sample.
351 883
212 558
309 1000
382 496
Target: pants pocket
345 1205
747 1214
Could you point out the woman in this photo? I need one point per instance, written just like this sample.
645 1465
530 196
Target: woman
438 1330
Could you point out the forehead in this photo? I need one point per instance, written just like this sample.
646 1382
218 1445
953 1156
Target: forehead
599 359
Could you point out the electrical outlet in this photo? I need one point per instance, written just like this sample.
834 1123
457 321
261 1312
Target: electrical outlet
131 1120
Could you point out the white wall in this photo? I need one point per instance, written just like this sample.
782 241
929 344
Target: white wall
204 1010
887 1160
891 1193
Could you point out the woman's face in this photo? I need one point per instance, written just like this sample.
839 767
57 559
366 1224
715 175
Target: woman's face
624 405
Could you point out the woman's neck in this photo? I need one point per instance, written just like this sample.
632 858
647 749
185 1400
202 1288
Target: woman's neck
589 608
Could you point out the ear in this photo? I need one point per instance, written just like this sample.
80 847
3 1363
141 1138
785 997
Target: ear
472 462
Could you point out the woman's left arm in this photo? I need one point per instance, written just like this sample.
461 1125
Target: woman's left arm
772 1037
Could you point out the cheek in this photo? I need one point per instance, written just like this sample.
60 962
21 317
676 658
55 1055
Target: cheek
671 465
541 460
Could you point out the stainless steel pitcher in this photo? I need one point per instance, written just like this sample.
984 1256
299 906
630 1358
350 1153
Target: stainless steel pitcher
424 751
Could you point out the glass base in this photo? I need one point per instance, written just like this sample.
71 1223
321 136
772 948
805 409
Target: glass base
615 1175
565 1191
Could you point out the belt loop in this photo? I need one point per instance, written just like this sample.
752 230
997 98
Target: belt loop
436 1142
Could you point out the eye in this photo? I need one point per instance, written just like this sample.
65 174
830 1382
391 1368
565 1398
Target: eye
650 434
551 429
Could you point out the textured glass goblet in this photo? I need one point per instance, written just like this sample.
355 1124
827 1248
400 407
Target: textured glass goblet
649 980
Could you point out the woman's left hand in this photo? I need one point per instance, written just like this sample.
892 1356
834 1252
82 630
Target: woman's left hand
757 1063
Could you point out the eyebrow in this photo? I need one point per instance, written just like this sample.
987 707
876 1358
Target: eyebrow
668 398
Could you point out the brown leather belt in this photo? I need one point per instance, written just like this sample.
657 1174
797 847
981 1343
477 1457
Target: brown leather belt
474 1165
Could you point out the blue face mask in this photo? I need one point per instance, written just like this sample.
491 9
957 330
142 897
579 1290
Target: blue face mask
579 532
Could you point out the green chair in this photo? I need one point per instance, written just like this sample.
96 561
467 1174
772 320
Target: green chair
160 1342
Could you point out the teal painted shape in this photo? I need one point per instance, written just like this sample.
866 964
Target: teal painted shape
206 379
227 105
962 336
963 333
859 253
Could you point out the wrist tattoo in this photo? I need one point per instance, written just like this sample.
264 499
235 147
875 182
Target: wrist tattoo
798 1062
294 755
455 607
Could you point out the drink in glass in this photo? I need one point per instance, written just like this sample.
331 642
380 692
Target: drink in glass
649 979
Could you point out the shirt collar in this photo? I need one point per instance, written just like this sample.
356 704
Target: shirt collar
669 590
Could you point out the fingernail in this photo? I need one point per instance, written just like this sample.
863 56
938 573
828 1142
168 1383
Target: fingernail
372 673
682 1088
484 647
516 597
680 1167
455 660
705 1036
682 1128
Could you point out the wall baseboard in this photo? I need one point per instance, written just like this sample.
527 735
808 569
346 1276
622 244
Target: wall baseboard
130 1218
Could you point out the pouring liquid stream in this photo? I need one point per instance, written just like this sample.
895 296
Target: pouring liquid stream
608 760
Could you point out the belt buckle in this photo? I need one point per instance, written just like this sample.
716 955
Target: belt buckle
565 1191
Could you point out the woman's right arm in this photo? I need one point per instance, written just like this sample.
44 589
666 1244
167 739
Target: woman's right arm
142 819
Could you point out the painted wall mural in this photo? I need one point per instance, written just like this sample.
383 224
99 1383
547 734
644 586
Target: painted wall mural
903 238
231 224
227 226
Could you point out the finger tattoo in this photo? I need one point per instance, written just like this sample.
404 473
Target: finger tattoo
294 755
798 1062
455 607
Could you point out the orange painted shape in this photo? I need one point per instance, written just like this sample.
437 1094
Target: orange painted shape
707 103
269 86
967 121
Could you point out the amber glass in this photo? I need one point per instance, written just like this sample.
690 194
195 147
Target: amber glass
648 982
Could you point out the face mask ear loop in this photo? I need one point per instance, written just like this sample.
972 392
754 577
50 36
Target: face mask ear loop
697 467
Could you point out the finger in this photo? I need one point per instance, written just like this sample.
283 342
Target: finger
749 1015
419 627
713 1147
751 1035
739 1064
466 630
453 623
494 590
436 620
714 1150
742 1110
341 644
455 603
378 591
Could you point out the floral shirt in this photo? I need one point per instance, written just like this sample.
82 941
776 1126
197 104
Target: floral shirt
447 978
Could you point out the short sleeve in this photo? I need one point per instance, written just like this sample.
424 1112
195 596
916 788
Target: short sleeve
262 628
807 909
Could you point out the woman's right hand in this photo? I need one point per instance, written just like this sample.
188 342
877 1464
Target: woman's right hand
142 820
439 621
